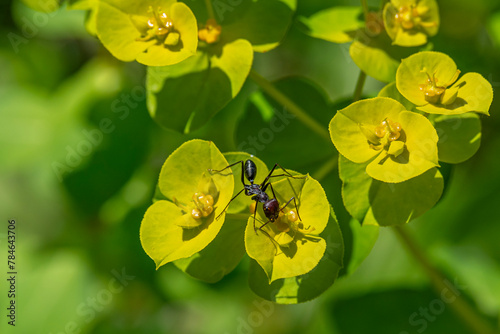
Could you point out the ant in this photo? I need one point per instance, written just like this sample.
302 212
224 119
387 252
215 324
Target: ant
271 206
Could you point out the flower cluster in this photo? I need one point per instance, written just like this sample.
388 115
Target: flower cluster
410 22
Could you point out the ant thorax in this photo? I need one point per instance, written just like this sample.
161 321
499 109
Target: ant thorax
259 195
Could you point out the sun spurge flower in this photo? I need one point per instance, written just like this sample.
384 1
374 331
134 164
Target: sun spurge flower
400 144
154 32
410 22
291 246
210 33
429 80
183 219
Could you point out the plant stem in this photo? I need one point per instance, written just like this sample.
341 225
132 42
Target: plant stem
210 9
365 9
325 169
290 106
464 311
359 86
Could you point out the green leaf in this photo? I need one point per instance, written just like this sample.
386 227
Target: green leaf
242 202
44 6
305 287
263 23
376 56
184 174
122 27
336 24
307 249
220 257
185 96
90 19
384 204
266 128
423 73
459 136
364 238
390 90
412 30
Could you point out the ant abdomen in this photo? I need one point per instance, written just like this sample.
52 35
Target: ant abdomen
250 170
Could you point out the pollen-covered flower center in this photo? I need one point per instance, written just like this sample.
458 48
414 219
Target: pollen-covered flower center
203 205
210 33
160 27
410 17
385 137
407 17
436 92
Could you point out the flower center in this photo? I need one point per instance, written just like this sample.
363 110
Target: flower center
408 17
160 27
211 32
383 135
435 93
203 205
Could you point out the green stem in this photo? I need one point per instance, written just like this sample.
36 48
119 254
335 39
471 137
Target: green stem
359 86
290 106
326 168
464 311
210 9
365 9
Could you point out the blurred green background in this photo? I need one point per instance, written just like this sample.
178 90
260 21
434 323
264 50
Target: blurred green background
78 195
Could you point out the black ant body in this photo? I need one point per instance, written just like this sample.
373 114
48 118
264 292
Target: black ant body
271 206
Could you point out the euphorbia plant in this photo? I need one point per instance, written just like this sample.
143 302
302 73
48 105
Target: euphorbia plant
391 151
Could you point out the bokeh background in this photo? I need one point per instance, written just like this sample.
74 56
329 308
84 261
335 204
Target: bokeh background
78 225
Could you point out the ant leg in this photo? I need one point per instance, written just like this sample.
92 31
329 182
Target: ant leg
274 242
295 203
284 170
254 213
296 208
220 214
284 206
272 189
223 169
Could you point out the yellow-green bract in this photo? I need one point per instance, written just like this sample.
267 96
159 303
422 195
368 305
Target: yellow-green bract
154 32
169 230
296 247
429 80
400 144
